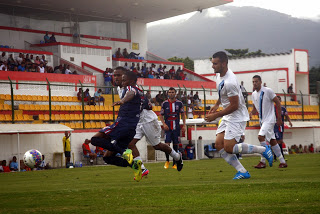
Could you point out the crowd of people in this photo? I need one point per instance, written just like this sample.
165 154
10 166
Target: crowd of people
294 149
13 165
91 100
48 39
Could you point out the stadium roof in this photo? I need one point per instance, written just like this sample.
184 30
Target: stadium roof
32 128
119 10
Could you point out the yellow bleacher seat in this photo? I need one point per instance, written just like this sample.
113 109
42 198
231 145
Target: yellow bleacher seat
63 117
64 98
8 117
102 124
93 125
37 107
29 97
18 117
67 116
34 97
96 108
78 126
6 107
75 99
87 108
78 108
69 98
1 107
68 108
47 117
62 108
67 124
91 116
7 97
76 117
27 117
96 117
2 117
57 107
45 98
2 96
81 116
72 117
21 106
72 108
31 107
87 125
41 117
54 98
60 99
72 125
56 116
87 117
92 108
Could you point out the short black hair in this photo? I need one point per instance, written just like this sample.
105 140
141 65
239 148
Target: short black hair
131 75
221 55
172 89
121 68
258 77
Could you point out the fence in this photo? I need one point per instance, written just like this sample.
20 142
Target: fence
50 102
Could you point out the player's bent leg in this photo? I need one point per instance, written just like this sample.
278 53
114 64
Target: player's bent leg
277 151
133 147
166 165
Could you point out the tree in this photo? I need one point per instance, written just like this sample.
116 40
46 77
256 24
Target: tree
314 76
188 63
244 53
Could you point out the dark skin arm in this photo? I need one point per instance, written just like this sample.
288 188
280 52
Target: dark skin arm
129 96
278 106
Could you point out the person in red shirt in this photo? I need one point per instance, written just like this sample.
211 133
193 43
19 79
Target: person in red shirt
99 151
4 167
87 151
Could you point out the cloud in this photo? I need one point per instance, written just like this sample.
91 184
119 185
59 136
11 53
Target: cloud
175 19
216 13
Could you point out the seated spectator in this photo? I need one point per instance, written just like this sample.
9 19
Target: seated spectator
305 149
98 97
46 38
87 151
43 164
19 58
52 38
11 61
22 67
13 164
150 75
185 77
164 69
160 69
4 167
99 151
37 60
27 59
3 66
126 66
311 148
148 95
31 59
23 167
3 57
89 98
79 95
300 149
43 60
15 68
190 149
166 76
68 71
75 72
161 76
118 53
33 68
143 72
125 53
58 69
41 68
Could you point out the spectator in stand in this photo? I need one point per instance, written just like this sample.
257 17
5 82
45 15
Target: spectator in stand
22 67
159 99
126 66
150 74
19 58
166 76
190 112
43 164
107 74
3 57
311 148
125 53
88 96
41 68
160 69
4 167
161 76
46 38
118 53
148 95
164 69
144 71
191 95
15 68
290 91
58 69
98 98
13 164
172 72
264 84
43 60
31 59
37 60
33 68
75 72
68 71
3 66
11 61
52 38
196 101
79 95
132 67
139 72
99 151
87 151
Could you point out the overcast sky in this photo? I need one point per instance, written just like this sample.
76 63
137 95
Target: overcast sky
305 9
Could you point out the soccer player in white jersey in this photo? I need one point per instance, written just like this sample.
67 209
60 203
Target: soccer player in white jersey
263 99
234 117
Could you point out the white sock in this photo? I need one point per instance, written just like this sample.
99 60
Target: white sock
175 155
142 165
277 151
247 149
232 160
263 143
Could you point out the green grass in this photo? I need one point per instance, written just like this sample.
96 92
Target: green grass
204 186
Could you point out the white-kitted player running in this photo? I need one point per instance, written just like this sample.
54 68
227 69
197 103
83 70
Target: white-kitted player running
234 118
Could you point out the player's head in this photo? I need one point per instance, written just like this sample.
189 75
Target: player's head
86 141
66 133
219 62
129 78
172 93
117 76
257 82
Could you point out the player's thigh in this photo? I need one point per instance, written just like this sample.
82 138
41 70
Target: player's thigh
176 135
232 135
267 130
168 137
152 131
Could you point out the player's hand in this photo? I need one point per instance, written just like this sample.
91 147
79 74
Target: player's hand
117 103
210 117
279 122
165 127
212 110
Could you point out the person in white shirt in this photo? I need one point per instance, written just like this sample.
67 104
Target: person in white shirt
264 99
68 71
234 118
40 68
3 57
19 58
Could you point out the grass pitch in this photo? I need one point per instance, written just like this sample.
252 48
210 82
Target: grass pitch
204 186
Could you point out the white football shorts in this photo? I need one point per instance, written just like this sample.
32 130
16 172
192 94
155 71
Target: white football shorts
151 130
232 130
267 130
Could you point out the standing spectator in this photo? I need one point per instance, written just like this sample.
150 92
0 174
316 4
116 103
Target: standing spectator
67 147
3 57
290 91
196 101
52 38
170 118
98 97
13 164
87 151
107 80
159 99
190 149
118 53
40 68
172 71
46 38
4 167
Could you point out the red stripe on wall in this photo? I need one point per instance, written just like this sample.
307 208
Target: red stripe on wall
73 45
25 51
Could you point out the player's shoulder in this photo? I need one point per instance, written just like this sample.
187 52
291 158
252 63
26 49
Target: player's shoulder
178 101
267 89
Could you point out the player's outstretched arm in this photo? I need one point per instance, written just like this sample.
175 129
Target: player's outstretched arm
127 97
